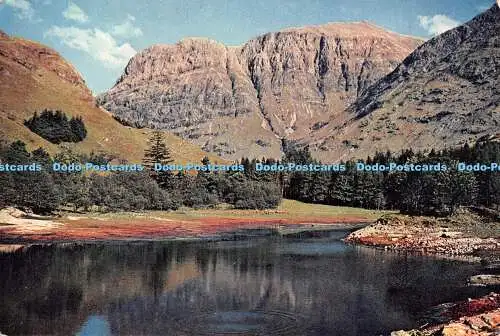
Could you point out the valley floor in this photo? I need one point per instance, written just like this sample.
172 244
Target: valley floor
18 228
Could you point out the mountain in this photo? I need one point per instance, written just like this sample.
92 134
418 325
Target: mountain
446 93
34 77
243 101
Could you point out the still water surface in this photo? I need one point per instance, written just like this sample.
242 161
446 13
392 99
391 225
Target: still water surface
261 286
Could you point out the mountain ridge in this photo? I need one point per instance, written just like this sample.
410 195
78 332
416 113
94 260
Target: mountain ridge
444 94
34 77
277 86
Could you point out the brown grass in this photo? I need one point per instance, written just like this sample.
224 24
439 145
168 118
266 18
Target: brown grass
186 223
25 89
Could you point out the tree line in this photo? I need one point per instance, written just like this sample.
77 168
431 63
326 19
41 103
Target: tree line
430 193
47 191
239 189
417 193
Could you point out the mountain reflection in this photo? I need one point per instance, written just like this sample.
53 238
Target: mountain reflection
263 286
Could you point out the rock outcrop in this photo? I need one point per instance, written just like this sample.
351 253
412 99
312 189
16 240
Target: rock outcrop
445 93
473 317
453 236
242 101
485 280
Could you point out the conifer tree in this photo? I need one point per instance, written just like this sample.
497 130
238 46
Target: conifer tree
158 153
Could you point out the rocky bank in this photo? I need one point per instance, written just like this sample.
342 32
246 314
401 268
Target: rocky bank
467 233
471 234
474 317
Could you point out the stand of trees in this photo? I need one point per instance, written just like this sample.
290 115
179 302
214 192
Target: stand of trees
35 190
420 193
46 191
208 189
417 193
56 127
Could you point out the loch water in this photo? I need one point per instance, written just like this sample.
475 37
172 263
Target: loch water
310 284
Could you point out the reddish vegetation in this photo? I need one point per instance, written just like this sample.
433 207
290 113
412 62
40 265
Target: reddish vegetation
474 317
474 307
116 229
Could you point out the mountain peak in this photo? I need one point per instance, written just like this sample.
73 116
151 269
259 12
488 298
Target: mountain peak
449 53
357 29
280 85
345 29
444 94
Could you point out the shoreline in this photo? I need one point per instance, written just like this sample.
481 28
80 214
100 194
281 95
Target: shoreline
284 230
237 232
464 235
473 317
20 228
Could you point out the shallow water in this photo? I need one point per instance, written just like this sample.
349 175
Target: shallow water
262 286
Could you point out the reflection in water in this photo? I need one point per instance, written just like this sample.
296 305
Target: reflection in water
265 286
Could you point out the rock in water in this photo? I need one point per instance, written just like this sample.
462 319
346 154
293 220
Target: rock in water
485 280
400 333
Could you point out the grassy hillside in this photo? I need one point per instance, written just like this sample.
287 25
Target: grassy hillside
34 77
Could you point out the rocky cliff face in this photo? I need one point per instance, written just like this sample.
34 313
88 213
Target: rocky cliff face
445 93
304 75
242 101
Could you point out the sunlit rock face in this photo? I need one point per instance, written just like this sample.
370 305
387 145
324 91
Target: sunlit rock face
242 101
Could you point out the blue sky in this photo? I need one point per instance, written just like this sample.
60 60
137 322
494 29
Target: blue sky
100 36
